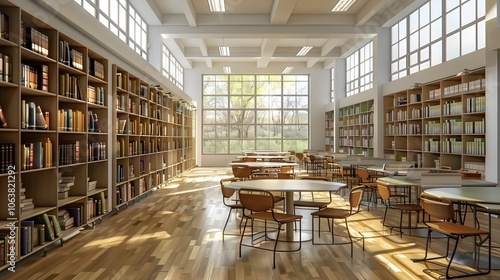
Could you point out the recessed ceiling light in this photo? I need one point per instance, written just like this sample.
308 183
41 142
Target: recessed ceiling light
287 70
216 5
227 69
304 50
343 5
224 51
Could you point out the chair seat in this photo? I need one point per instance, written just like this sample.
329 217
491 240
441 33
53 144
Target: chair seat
311 204
235 206
455 229
407 207
335 213
279 217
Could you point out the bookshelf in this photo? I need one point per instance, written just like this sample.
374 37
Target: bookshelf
330 131
356 129
154 140
55 133
441 123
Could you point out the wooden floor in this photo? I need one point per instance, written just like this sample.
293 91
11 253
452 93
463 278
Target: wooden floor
175 233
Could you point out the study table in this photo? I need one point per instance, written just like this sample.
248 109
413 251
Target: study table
289 187
265 157
476 196
265 164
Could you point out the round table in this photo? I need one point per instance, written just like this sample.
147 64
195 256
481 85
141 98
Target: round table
289 187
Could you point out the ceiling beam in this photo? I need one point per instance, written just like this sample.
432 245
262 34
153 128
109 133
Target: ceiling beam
281 11
202 44
176 47
310 62
274 31
189 12
149 11
370 9
267 51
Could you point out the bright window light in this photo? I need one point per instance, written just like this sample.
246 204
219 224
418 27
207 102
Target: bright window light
217 5
304 50
227 69
224 51
343 5
287 70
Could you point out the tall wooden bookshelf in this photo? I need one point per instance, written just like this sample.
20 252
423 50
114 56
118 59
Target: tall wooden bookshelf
58 158
330 131
154 140
441 123
47 109
356 129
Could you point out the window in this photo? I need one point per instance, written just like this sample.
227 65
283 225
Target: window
359 66
172 68
332 90
131 28
247 112
436 32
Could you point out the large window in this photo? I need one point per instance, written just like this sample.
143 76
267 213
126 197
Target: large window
436 32
247 112
359 66
121 19
172 69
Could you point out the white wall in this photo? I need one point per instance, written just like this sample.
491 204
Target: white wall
319 89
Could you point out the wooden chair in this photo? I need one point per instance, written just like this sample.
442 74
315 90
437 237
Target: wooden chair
241 171
313 203
227 195
385 194
443 210
260 203
366 181
286 175
355 196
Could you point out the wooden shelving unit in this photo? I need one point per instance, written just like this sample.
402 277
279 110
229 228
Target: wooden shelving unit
440 124
356 129
67 139
330 131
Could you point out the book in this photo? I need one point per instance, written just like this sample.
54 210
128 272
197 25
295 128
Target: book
24 240
41 233
56 225
49 230
76 213
40 119
3 121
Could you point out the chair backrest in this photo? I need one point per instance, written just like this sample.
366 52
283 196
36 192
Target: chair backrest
227 193
300 156
241 171
247 159
383 191
363 174
318 178
261 176
355 196
439 208
256 200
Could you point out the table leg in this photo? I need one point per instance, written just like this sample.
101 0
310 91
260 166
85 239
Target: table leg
289 210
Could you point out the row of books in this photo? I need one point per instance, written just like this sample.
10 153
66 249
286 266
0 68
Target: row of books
33 117
93 122
125 192
95 95
35 232
71 120
5 68
70 56
34 40
69 153
37 155
7 156
120 173
4 26
96 69
96 151
69 86
35 76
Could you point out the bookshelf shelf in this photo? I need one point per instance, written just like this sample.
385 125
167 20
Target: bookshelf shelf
69 200
445 124
35 212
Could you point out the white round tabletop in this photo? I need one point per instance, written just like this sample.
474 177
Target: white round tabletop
489 195
287 185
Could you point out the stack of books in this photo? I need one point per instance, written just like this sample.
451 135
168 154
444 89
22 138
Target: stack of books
26 203
65 183
91 185
65 220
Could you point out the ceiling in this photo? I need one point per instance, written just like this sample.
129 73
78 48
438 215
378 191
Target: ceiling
265 31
